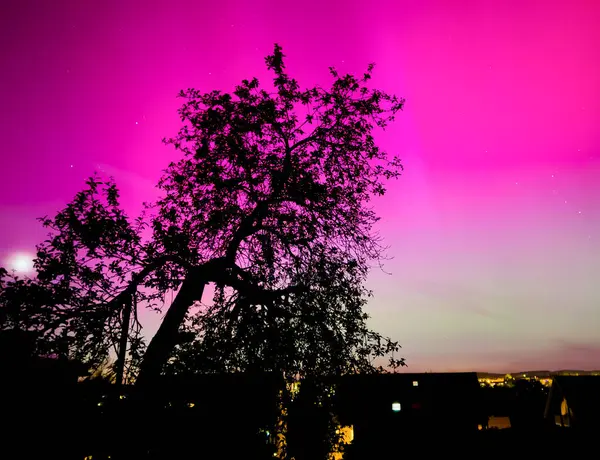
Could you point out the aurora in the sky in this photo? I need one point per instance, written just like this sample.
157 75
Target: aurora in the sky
494 226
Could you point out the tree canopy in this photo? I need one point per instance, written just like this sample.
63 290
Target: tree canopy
270 203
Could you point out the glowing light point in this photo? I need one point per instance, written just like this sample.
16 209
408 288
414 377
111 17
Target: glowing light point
396 407
22 263
415 383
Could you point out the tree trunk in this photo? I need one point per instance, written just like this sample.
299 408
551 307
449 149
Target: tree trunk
123 342
162 344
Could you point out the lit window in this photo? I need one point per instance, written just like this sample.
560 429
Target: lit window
396 407
190 404
415 383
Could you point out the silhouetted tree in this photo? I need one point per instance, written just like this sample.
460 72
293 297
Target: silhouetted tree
85 274
24 307
270 203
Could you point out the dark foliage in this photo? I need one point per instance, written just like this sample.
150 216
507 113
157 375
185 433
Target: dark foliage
269 203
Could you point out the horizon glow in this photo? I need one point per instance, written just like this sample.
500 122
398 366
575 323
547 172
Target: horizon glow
494 228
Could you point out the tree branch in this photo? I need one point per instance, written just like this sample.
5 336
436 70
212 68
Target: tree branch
317 132
139 277
250 290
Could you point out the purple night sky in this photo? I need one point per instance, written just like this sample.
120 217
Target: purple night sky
495 225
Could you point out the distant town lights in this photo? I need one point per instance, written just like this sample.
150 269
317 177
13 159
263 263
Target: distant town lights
396 407
415 383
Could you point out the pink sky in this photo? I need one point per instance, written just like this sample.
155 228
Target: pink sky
495 225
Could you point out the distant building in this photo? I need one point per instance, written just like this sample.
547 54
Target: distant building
374 411
414 402
574 401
